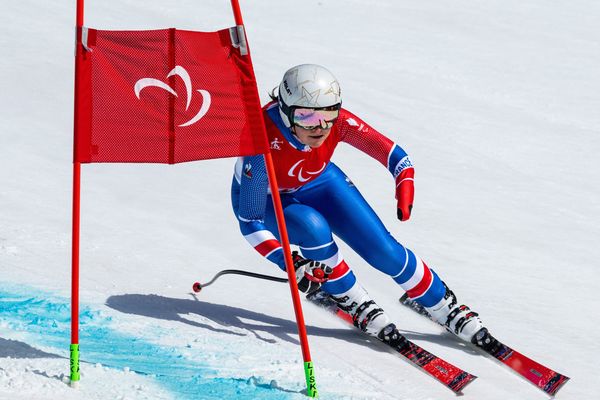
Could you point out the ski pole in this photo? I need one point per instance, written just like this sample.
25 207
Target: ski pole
199 286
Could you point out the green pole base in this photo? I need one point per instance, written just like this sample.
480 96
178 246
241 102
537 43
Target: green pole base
75 365
311 382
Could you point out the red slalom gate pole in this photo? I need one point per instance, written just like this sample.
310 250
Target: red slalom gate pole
311 385
74 348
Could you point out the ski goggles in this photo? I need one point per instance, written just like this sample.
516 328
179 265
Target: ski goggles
314 118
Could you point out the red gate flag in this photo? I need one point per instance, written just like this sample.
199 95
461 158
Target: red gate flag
165 96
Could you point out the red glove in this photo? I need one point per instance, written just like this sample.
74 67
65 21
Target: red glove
405 192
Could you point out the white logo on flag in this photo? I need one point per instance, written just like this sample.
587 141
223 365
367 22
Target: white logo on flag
183 74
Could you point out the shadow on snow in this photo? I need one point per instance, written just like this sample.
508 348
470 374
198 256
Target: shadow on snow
172 309
15 349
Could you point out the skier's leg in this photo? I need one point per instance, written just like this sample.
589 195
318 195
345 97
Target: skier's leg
354 221
308 229
311 233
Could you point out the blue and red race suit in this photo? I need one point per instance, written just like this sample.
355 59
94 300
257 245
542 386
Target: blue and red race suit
320 200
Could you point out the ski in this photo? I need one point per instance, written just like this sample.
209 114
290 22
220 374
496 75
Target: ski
449 375
543 377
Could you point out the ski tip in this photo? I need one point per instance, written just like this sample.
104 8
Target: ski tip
197 287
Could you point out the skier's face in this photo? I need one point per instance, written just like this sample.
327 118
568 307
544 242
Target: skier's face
312 137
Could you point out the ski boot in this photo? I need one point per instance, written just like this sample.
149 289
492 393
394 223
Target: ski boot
366 314
458 319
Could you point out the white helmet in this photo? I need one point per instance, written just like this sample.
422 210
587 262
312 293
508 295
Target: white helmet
307 86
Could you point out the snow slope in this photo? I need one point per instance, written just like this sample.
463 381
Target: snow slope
497 103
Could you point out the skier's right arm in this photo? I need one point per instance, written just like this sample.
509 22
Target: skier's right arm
254 184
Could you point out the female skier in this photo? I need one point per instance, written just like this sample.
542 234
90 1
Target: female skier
305 122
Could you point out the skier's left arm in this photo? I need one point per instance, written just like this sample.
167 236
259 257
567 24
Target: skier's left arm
364 137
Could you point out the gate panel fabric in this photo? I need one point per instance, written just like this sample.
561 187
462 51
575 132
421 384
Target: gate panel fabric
165 96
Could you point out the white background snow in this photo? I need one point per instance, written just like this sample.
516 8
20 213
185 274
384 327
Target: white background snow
498 104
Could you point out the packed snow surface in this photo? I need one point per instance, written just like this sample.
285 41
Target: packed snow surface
498 104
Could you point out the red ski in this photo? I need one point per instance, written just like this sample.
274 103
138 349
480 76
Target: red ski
449 375
543 377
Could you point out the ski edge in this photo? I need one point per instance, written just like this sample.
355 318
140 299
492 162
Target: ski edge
550 387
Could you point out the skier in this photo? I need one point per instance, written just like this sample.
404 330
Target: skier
305 122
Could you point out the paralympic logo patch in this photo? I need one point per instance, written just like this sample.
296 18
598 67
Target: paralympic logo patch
292 171
185 77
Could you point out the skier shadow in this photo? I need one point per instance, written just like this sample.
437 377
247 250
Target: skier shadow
15 349
223 319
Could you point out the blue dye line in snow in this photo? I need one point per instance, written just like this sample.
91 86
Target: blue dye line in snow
44 319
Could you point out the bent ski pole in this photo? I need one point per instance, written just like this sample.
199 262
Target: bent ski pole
199 286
